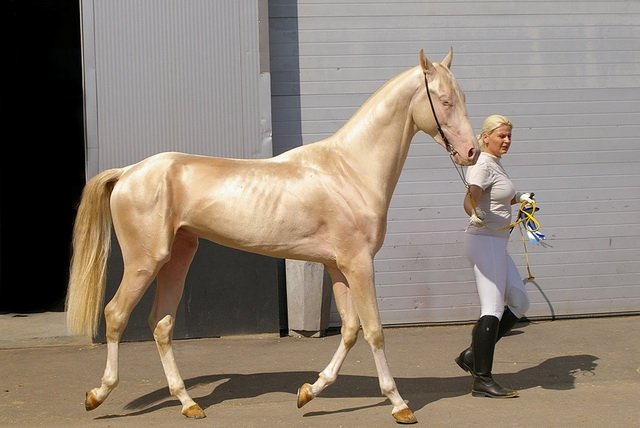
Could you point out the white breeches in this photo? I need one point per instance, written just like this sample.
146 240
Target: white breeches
497 278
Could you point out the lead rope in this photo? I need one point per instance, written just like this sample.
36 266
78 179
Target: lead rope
530 276
526 220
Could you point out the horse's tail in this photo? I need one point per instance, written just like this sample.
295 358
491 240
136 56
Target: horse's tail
91 247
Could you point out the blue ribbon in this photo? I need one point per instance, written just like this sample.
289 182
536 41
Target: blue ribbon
534 236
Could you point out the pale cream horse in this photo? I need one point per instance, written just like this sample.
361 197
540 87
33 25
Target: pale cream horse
324 202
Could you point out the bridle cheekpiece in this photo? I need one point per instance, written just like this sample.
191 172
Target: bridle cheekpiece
452 152
447 144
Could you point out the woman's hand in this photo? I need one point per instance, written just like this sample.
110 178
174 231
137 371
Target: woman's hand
526 197
477 217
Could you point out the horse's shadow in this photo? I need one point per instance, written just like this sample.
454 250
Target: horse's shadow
558 373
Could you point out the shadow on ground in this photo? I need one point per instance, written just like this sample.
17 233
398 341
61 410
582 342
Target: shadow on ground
558 373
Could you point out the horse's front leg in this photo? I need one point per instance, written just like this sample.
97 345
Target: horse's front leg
349 335
362 284
170 285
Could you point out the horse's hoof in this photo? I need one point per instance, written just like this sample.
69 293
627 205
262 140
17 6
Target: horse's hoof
405 416
91 402
194 412
304 395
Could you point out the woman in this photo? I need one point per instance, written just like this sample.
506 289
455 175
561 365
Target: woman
488 203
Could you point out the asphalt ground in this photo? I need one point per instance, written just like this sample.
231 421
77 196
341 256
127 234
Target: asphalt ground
570 373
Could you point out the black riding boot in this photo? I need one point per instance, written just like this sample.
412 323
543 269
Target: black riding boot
465 359
483 344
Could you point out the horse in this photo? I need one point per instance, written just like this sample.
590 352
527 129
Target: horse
339 188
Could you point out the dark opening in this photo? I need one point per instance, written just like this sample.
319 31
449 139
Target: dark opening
43 158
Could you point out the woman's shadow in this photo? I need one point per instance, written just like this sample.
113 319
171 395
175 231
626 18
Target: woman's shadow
557 373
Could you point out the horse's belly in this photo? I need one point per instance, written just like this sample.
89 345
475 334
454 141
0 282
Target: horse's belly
272 234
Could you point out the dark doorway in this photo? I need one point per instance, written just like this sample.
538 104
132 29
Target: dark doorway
43 159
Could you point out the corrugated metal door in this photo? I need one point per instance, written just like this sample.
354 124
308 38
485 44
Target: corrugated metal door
571 84
163 75
167 75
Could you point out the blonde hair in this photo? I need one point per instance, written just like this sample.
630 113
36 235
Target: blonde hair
492 123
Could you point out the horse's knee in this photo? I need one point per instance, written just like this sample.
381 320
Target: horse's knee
374 337
349 336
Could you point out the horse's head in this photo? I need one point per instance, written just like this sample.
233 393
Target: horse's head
444 104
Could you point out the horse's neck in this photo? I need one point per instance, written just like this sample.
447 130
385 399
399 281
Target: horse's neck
378 135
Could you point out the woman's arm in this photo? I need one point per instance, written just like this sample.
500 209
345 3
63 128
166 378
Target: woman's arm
471 198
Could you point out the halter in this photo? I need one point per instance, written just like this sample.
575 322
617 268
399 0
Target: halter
452 152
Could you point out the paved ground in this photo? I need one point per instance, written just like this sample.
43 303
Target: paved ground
570 373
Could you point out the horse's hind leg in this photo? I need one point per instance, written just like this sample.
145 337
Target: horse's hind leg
170 285
117 312
349 335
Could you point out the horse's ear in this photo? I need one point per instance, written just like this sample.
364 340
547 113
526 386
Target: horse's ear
447 59
427 66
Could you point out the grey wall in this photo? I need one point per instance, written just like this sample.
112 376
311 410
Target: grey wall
566 73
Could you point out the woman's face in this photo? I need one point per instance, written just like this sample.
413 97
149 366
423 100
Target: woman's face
497 143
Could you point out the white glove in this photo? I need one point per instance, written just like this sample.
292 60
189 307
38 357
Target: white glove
477 217
525 197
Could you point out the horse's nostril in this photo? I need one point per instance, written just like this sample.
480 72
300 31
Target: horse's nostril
472 153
